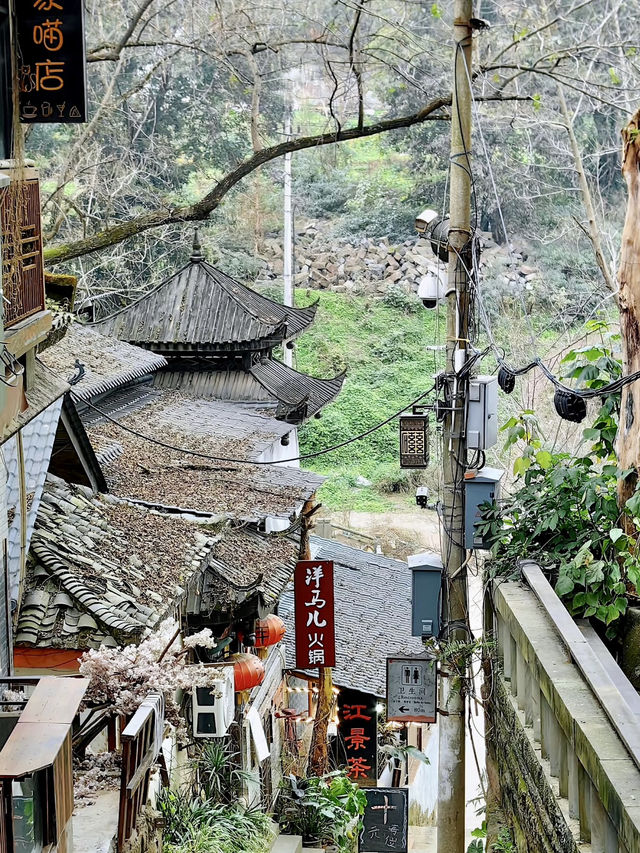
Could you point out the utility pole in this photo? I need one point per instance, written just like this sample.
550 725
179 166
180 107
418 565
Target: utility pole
451 725
287 269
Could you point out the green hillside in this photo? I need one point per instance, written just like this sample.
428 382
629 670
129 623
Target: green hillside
383 345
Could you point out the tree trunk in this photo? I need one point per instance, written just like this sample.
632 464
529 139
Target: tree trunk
629 304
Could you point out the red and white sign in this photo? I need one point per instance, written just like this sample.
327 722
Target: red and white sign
315 624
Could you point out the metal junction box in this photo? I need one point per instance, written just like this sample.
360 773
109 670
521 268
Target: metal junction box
483 488
426 599
482 412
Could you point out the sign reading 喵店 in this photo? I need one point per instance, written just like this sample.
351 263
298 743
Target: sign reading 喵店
315 628
51 61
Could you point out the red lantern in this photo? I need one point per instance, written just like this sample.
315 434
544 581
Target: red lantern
269 631
248 671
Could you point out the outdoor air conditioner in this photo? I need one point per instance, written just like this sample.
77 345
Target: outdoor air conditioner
212 715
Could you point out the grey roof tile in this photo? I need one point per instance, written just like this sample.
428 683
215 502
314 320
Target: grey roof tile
372 615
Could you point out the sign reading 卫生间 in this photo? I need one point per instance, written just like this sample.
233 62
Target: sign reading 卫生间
315 626
51 61
385 823
411 690
358 736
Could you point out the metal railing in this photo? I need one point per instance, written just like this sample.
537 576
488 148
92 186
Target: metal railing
579 712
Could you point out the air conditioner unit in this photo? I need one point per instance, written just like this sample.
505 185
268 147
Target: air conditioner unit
212 714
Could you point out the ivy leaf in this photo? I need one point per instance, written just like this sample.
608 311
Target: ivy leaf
537 101
633 504
564 586
615 534
544 459
521 466
436 11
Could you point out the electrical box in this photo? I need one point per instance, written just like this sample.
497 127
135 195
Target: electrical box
426 598
482 412
212 715
483 488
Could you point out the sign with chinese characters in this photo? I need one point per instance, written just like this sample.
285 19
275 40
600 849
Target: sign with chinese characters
358 736
411 690
315 627
414 441
51 61
385 823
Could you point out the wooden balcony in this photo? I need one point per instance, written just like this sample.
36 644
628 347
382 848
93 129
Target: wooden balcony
22 265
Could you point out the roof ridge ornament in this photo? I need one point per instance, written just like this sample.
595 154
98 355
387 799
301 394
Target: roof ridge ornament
196 255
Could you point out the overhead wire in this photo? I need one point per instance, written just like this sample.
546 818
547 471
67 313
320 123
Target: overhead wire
167 446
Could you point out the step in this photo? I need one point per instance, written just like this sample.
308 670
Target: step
287 844
312 850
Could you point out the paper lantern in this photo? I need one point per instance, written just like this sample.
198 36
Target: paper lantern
248 671
269 631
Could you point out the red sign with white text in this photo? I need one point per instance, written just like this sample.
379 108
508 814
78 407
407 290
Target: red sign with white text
315 624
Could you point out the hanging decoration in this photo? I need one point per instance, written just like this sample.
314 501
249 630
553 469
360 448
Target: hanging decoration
269 631
248 671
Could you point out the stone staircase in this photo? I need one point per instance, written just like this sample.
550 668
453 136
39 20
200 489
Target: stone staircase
292 844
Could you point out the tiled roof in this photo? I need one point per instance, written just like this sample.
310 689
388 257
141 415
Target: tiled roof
201 308
372 613
139 469
108 363
104 571
246 565
37 442
300 396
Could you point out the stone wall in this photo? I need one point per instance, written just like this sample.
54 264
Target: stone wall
147 836
518 782
373 265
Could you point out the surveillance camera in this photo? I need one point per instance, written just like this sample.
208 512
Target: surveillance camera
424 220
430 289
422 497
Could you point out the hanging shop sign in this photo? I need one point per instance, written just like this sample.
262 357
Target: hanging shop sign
414 441
358 736
385 823
51 61
411 690
315 623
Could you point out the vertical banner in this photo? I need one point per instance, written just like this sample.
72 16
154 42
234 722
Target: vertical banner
51 61
358 736
315 624
385 824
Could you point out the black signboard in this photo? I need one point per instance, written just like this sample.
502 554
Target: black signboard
358 736
385 821
51 61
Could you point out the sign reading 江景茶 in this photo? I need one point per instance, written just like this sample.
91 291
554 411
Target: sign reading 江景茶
358 736
51 61
315 628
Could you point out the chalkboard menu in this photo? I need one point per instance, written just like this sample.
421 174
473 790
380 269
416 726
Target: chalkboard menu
385 821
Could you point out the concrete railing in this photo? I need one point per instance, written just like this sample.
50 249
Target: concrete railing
564 726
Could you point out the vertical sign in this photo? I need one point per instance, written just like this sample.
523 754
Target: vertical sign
411 690
315 625
385 824
358 735
51 61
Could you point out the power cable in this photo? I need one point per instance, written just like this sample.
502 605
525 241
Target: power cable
210 456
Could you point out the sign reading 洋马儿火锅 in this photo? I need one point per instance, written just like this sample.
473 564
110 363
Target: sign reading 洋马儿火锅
358 736
51 61
315 625
411 690
385 823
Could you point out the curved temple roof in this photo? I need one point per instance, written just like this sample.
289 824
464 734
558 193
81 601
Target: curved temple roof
202 309
300 396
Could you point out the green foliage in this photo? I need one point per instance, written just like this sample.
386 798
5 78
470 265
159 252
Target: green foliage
200 825
565 512
324 809
383 348
218 774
